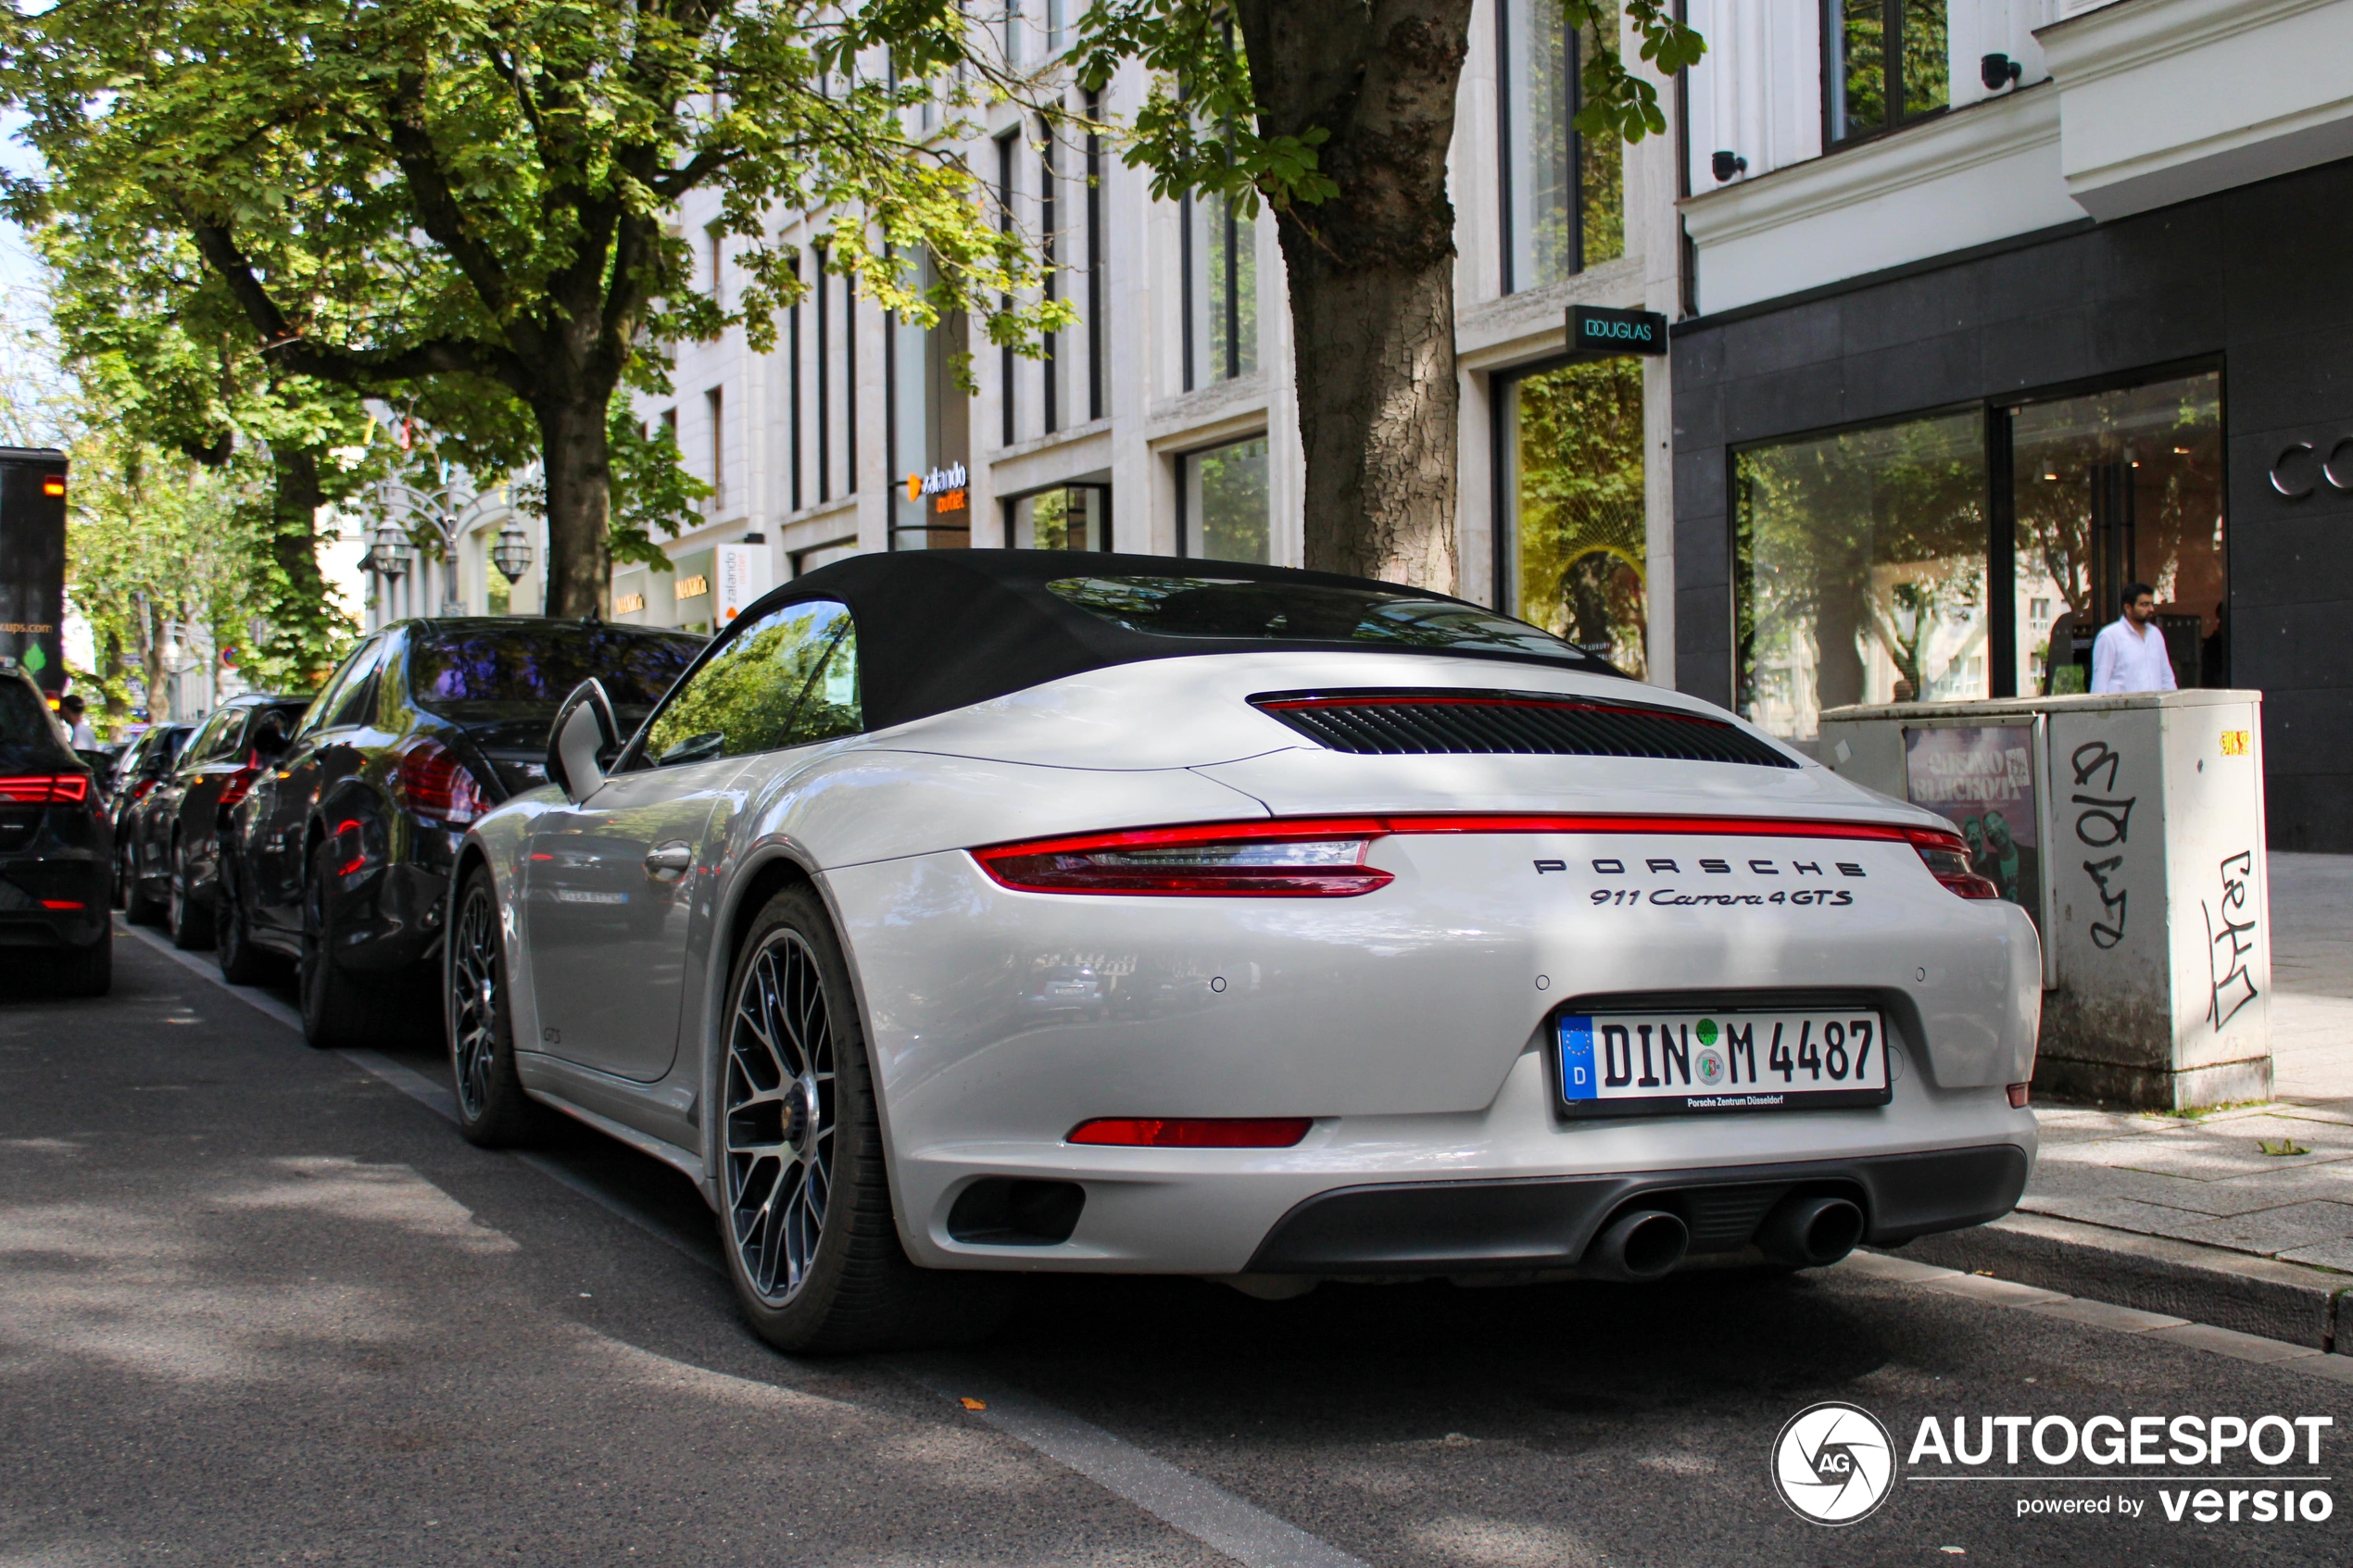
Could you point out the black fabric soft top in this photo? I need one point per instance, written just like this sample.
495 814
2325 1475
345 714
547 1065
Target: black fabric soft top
939 630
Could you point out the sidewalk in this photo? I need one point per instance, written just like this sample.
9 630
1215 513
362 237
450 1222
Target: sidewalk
2180 1209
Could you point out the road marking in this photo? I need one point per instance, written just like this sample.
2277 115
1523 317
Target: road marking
1207 1513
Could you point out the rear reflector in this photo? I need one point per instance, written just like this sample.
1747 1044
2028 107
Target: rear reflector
1198 1131
62 903
1323 857
45 790
2020 1094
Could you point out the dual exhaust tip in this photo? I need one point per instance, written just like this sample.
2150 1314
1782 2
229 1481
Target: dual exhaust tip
1801 1232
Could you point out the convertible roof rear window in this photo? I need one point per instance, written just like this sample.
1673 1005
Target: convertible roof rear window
1259 610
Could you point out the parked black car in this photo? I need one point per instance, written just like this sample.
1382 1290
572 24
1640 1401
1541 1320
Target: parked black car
141 770
340 857
179 823
56 848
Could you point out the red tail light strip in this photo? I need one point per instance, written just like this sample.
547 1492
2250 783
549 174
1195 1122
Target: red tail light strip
1230 860
1195 1132
45 790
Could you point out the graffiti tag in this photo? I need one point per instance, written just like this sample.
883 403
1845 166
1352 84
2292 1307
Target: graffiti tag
2104 822
2233 984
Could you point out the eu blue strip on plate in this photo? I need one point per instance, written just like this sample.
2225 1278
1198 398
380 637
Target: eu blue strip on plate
1577 1058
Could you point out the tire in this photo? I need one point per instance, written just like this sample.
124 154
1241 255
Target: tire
805 1215
189 922
139 907
242 963
336 1014
492 1109
86 971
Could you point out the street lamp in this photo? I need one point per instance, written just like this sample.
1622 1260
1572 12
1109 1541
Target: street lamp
392 551
447 514
511 555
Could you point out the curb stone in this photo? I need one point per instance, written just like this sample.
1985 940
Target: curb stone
2260 1296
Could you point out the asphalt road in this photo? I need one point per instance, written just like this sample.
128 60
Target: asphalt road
258 1305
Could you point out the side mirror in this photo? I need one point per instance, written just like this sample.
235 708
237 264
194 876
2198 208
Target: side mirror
270 735
584 734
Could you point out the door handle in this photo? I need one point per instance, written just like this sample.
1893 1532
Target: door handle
670 862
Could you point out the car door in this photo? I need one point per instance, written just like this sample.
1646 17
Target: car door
319 754
611 882
160 823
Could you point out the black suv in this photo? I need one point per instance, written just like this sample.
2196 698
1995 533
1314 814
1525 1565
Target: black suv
340 857
57 847
176 828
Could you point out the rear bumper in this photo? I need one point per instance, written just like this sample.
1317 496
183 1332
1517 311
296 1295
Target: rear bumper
1470 1227
30 885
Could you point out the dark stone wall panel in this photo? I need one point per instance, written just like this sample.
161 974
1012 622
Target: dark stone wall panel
2258 279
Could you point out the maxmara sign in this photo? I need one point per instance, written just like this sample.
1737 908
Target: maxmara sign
2302 467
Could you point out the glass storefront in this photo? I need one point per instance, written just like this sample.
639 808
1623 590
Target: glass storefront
1223 502
2113 488
1860 571
1578 561
1873 565
1068 517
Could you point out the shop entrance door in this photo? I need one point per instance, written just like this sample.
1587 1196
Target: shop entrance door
2114 488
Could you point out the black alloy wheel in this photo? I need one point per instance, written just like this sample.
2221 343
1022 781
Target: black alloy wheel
191 931
139 907
335 1014
242 963
806 1215
492 1109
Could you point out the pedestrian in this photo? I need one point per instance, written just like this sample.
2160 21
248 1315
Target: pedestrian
84 737
2129 654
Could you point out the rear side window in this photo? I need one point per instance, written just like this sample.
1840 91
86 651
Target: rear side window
483 674
1256 609
338 688
788 679
25 724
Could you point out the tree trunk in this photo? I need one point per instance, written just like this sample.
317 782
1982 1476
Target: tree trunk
302 623
1371 272
574 457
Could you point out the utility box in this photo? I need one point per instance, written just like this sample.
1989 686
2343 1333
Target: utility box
2131 827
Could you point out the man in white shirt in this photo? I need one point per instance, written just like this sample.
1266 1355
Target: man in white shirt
77 722
2129 654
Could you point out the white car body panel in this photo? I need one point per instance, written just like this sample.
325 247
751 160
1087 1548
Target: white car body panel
1410 1021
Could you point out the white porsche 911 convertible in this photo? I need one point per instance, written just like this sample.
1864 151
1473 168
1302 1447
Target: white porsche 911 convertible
961 912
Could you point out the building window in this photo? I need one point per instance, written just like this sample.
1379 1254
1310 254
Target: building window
1563 195
1222 502
715 405
2111 489
1220 255
1050 267
1861 570
1576 560
1884 64
1094 256
1068 517
927 428
1005 359
824 390
792 378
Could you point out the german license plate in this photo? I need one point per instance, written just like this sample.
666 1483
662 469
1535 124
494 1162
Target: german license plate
1662 1063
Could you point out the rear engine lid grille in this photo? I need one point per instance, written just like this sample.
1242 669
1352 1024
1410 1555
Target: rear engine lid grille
1422 722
